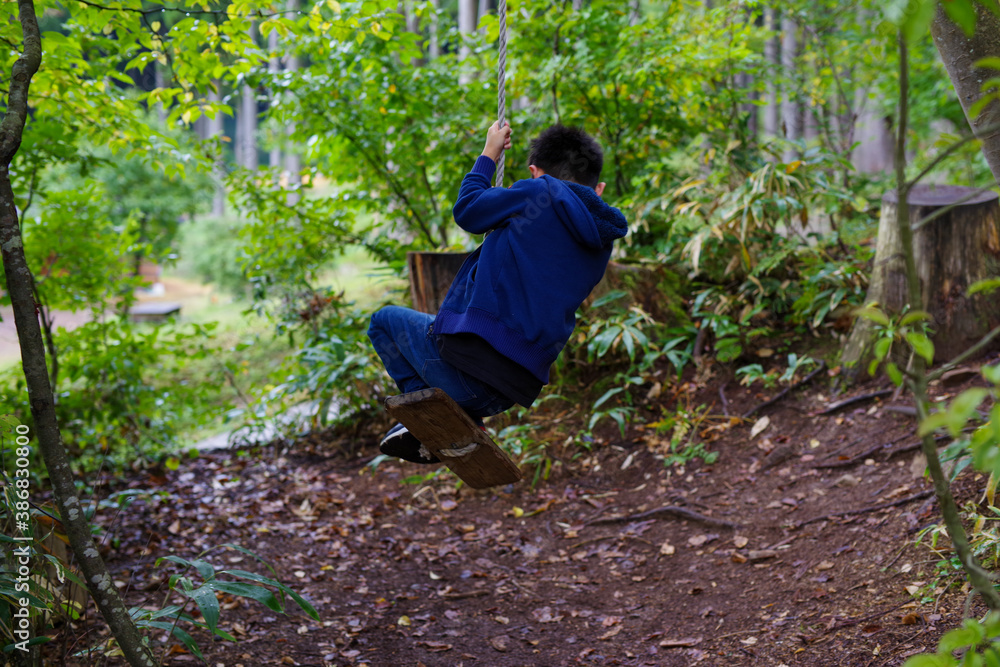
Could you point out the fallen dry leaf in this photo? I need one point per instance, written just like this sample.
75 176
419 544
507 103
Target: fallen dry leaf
667 549
610 633
759 426
500 643
697 540
437 647
544 615
740 541
680 643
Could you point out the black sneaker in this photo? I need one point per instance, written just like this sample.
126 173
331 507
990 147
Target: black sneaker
400 443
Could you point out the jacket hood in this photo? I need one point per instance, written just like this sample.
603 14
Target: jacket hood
593 221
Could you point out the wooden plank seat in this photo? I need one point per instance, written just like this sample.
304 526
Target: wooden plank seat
449 433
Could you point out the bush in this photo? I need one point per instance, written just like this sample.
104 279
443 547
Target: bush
209 249
112 398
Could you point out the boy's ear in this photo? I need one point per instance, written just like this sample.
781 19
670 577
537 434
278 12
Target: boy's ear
600 189
535 171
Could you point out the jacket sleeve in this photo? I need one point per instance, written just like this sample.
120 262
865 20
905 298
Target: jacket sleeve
480 207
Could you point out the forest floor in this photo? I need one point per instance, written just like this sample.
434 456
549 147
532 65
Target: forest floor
797 547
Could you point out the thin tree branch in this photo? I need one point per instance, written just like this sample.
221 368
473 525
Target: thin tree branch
33 362
947 153
971 352
182 10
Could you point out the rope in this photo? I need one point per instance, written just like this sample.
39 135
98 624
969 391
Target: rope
454 452
501 83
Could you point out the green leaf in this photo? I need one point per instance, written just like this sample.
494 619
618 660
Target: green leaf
608 394
956 639
873 366
986 286
611 296
882 348
963 407
204 597
992 374
930 660
306 607
178 632
918 17
874 314
992 62
963 13
922 345
932 423
252 591
914 316
894 374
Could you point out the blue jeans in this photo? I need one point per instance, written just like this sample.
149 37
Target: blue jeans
403 339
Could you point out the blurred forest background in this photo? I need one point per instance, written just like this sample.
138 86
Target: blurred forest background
266 167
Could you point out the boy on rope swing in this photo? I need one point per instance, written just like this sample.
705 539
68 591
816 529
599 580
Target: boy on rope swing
511 308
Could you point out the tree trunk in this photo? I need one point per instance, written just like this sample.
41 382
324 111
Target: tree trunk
431 274
872 131
953 251
791 109
29 336
466 23
433 47
466 26
274 67
248 128
960 54
635 12
214 130
161 113
293 163
772 49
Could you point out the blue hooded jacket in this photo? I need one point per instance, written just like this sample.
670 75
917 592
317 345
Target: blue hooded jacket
550 244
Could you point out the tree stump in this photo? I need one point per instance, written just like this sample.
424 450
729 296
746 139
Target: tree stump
431 274
952 252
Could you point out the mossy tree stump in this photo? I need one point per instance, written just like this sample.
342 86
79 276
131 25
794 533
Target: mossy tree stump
953 251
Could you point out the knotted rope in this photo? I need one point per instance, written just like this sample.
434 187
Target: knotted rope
501 82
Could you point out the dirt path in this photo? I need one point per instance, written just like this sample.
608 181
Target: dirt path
436 576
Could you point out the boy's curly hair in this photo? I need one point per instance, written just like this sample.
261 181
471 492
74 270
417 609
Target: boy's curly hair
569 154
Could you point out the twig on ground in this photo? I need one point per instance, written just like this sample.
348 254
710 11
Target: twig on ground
733 634
896 557
664 512
857 458
864 619
889 453
804 381
847 402
466 594
722 395
610 537
839 450
865 510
